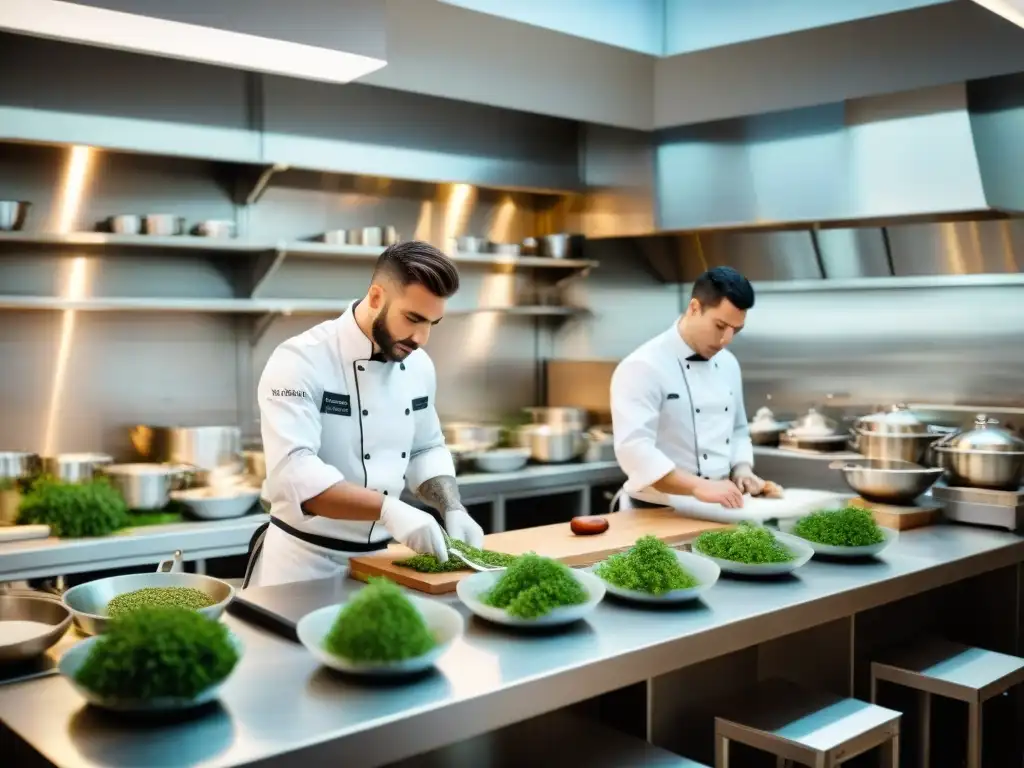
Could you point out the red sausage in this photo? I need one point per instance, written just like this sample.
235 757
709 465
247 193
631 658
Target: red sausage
588 526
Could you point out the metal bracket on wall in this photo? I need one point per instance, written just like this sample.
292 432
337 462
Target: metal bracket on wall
253 186
265 267
260 325
579 273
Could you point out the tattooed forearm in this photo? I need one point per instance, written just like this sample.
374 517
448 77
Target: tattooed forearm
441 493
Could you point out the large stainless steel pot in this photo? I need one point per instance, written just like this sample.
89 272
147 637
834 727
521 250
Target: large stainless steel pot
75 467
12 214
39 609
18 465
205 448
552 445
764 429
984 457
146 486
895 435
887 482
560 246
560 418
471 437
163 224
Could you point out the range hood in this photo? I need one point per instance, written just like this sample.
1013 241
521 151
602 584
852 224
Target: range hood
943 153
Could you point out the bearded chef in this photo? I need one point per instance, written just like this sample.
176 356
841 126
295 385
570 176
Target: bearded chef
677 404
348 419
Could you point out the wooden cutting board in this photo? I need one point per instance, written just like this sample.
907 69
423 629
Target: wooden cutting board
555 541
901 518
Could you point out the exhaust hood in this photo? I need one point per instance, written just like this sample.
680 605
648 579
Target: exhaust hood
948 152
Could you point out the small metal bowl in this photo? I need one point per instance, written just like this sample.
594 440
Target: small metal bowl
88 602
41 609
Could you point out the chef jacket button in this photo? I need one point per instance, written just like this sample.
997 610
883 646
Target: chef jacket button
705 455
402 366
727 408
360 368
406 411
698 410
366 412
385 493
403 454
366 456
727 441
687 366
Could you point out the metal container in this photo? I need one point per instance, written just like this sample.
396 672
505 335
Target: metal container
75 467
562 418
552 445
220 228
560 246
369 236
125 224
764 429
600 445
13 214
471 244
505 249
894 435
255 464
163 224
814 432
39 609
887 482
335 237
984 457
205 448
18 465
391 236
146 486
529 247
470 436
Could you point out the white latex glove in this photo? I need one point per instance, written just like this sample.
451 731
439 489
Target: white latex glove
464 528
416 529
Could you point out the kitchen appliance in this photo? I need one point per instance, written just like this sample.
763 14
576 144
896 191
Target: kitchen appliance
814 432
13 214
146 486
75 467
163 224
552 444
984 457
887 482
895 435
219 228
41 610
203 448
18 465
982 506
561 245
764 429
124 224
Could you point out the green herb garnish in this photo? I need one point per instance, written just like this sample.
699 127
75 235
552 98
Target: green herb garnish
179 597
430 564
746 543
847 527
650 566
379 624
533 586
74 510
158 652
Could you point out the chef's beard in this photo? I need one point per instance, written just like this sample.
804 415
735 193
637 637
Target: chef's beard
386 342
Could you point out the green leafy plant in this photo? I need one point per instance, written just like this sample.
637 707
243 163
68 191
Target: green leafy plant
430 564
74 510
8 484
533 586
158 652
746 543
379 624
180 597
650 566
847 527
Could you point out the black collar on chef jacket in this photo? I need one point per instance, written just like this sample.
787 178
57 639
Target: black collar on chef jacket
695 358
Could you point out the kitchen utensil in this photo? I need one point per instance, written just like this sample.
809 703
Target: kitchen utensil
703 569
474 437
560 246
471 244
444 622
984 457
552 445
124 224
505 249
73 659
13 214
800 549
894 435
789 526
600 445
217 503
502 459
88 602
566 417
887 482
529 246
75 467
163 224
204 448
391 236
472 589
368 236
18 465
335 237
35 609
220 228
555 541
145 486
764 429
454 553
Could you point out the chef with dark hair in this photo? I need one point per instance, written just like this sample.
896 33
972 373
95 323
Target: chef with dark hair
348 419
678 418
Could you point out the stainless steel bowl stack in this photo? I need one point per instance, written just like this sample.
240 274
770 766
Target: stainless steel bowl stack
75 467
984 457
887 482
895 435
556 435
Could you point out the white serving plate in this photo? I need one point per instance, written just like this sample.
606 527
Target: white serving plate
211 504
798 547
831 550
702 568
472 587
73 659
443 621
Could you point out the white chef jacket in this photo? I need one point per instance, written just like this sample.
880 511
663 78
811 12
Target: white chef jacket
330 413
669 412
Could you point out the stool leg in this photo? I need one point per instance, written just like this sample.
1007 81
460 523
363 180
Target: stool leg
890 757
974 735
721 752
924 708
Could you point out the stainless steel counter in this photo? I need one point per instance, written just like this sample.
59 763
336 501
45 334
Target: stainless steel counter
281 708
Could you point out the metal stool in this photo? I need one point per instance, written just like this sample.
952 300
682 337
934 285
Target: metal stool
811 728
942 668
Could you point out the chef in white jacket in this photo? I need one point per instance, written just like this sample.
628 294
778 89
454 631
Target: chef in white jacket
348 420
678 418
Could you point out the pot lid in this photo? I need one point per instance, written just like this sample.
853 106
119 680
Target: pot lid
987 435
764 421
813 424
897 420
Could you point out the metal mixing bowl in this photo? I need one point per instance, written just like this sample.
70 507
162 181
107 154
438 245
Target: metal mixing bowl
88 602
887 482
41 609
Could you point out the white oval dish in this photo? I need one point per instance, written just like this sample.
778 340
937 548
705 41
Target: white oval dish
798 547
217 504
471 588
830 550
702 568
73 659
443 621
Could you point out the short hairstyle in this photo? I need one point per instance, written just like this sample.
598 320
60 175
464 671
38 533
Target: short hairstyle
723 283
419 263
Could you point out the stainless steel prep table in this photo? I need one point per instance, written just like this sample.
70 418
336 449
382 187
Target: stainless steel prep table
280 708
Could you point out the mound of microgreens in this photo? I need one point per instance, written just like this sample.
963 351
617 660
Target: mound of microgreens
74 510
746 543
157 652
181 597
649 566
847 527
533 586
379 624
430 564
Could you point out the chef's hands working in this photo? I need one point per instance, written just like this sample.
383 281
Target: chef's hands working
745 479
729 493
416 529
463 527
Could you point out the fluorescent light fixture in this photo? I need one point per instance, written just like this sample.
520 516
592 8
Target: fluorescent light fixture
1011 10
61 20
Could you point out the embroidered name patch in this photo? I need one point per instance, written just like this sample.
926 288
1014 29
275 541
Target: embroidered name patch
672 396
336 405
420 403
